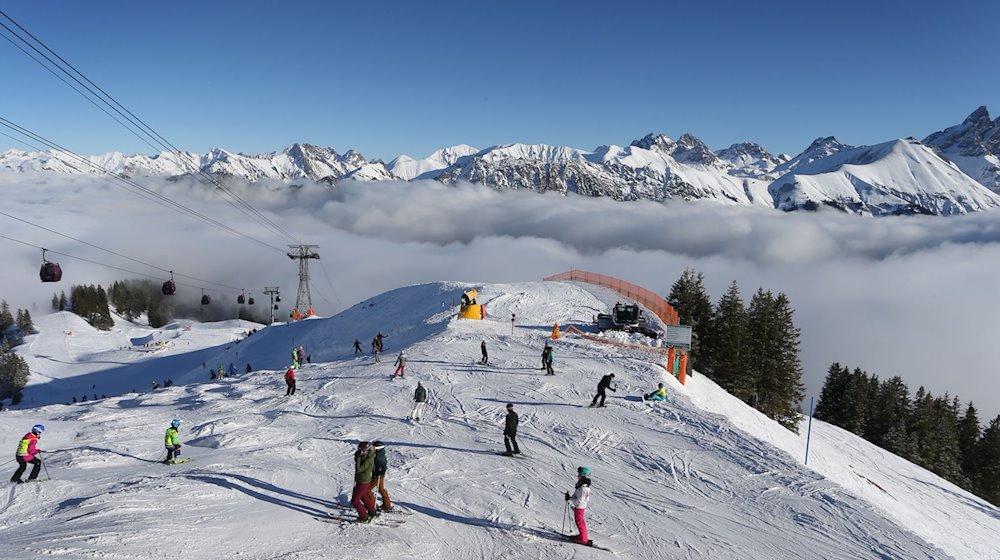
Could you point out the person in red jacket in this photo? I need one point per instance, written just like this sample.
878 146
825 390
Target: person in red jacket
26 451
290 380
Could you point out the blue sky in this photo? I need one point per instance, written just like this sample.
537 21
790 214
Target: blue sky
394 77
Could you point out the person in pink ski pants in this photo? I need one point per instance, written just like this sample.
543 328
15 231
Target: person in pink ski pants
578 501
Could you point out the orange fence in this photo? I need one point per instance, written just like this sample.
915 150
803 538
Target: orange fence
649 299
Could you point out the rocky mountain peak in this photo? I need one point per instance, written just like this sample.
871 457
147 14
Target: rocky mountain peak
690 149
656 142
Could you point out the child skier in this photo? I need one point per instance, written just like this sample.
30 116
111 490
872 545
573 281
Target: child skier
170 441
290 381
660 394
578 501
26 451
400 365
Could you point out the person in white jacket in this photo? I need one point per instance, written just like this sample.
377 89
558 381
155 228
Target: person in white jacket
578 501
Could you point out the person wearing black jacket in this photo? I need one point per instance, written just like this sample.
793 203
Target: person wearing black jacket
378 476
486 357
601 387
510 431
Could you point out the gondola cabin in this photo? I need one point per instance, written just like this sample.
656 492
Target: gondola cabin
205 300
169 288
241 299
250 301
50 272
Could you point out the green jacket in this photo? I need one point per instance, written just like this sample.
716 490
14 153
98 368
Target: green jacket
170 438
364 462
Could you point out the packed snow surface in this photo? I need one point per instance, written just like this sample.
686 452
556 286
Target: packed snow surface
701 476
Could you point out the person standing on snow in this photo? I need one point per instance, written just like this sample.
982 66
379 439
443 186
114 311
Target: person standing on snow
486 357
378 477
376 349
290 381
295 357
578 501
419 397
604 384
357 347
361 499
171 442
27 448
300 356
547 358
232 369
400 365
249 369
510 431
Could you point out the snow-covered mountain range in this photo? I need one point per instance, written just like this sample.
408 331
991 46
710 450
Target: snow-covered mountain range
953 171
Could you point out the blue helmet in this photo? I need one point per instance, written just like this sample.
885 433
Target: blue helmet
37 429
176 422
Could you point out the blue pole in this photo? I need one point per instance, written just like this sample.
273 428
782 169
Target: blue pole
810 428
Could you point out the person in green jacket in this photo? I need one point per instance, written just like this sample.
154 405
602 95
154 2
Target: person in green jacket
361 499
171 442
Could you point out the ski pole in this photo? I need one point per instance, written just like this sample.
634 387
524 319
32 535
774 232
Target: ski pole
46 467
565 515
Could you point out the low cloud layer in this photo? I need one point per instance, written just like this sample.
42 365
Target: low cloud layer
911 296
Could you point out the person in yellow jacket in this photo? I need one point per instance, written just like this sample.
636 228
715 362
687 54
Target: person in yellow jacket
26 451
171 442
660 394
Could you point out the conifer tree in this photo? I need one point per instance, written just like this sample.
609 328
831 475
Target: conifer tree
55 302
689 298
774 363
6 319
887 425
24 322
832 405
988 452
968 439
14 374
63 304
728 339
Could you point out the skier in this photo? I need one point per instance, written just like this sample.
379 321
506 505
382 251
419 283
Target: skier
357 347
660 394
510 431
419 397
155 387
290 381
232 369
249 369
604 384
486 357
221 374
400 365
547 359
376 349
364 462
380 337
378 477
170 441
26 451
578 501
301 355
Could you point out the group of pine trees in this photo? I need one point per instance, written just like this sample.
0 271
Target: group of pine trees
13 369
132 298
90 303
752 350
930 431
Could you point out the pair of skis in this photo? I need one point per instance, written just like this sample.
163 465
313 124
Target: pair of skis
345 515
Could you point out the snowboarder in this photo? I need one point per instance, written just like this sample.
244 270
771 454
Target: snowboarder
170 441
400 365
510 431
660 394
547 359
249 369
486 357
357 347
603 385
155 387
27 449
578 501
232 369
378 477
361 499
290 381
419 397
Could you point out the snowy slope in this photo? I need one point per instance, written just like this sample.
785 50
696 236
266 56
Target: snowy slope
407 168
702 476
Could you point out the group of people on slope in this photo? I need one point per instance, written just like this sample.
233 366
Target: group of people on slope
370 466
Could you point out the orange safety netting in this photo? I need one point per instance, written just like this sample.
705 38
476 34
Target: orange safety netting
649 299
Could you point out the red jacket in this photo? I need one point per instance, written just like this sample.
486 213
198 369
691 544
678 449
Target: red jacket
290 375
26 447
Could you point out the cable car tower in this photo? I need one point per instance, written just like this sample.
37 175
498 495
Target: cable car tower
303 253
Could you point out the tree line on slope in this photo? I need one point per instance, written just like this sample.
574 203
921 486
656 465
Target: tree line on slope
928 431
13 369
750 350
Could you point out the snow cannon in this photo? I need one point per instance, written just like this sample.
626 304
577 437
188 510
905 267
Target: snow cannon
470 309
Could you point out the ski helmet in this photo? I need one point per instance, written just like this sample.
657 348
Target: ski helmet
584 471
37 429
510 405
176 422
